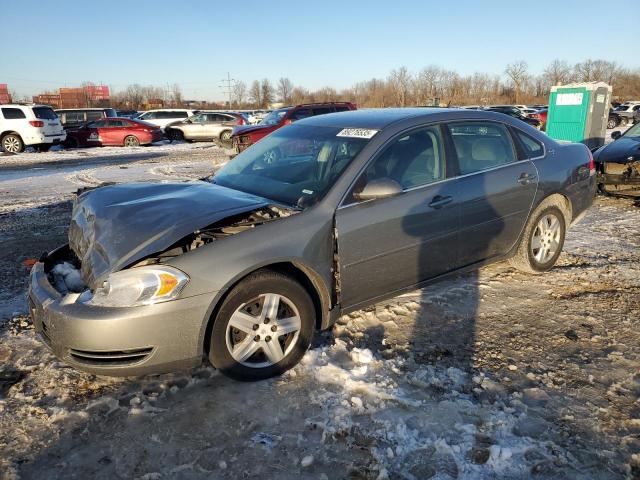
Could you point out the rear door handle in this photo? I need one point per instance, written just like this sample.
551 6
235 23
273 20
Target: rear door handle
526 178
440 201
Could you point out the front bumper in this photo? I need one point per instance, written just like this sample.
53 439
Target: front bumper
118 341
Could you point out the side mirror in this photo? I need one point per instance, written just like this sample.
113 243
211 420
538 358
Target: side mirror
288 121
616 135
379 188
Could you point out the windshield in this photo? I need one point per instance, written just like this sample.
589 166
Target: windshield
633 132
295 165
274 117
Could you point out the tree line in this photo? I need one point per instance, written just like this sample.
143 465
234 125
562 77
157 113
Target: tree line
433 85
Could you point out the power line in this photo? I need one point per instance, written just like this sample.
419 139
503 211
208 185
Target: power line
228 88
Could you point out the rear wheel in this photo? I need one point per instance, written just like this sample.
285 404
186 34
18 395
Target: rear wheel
263 328
12 143
542 241
225 136
175 135
623 122
71 142
611 123
131 141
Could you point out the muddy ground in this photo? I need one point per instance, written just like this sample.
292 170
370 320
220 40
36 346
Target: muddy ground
494 374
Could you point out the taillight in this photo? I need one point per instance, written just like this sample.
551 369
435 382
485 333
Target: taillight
241 121
36 123
592 164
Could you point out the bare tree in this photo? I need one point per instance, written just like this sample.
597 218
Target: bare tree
557 72
400 83
255 93
239 92
285 87
517 72
267 93
176 95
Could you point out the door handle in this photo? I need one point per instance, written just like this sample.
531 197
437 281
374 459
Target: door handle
440 201
525 178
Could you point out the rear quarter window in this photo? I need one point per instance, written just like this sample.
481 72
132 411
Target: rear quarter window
532 147
44 113
13 113
94 115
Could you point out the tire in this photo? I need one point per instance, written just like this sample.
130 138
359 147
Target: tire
44 148
131 141
623 122
611 123
541 242
243 326
175 135
12 143
225 136
72 142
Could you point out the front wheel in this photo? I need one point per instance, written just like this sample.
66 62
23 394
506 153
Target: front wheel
225 136
131 141
612 123
542 241
12 143
623 122
263 328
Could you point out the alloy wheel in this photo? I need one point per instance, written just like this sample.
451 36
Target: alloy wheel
11 144
263 331
546 238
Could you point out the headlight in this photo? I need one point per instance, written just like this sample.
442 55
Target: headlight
140 286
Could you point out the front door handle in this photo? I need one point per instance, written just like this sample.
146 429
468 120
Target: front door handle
526 178
440 201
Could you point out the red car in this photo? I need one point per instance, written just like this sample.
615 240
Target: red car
540 115
244 136
114 132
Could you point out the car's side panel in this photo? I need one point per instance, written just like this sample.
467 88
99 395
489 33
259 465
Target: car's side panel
387 244
494 206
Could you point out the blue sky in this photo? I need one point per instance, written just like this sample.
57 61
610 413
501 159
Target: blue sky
316 44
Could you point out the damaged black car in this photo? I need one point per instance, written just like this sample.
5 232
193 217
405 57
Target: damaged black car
618 164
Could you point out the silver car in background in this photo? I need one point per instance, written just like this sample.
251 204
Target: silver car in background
205 126
318 219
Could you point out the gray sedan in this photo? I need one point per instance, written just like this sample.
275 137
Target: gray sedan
318 219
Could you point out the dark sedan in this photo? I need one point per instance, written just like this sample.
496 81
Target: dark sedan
618 163
320 218
113 132
517 113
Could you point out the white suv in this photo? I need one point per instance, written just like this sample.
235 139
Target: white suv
162 117
29 125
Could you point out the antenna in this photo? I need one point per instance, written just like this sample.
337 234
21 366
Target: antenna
227 86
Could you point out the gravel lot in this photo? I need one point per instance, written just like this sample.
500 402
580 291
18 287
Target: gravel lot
493 374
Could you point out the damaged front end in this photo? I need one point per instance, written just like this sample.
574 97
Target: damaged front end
120 226
620 178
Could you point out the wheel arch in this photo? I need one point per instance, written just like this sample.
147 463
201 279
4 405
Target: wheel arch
559 200
310 280
10 132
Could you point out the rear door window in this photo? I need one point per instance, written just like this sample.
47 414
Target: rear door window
322 110
13 113
481 146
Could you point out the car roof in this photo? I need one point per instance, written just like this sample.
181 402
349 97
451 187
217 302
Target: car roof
91 109
379 118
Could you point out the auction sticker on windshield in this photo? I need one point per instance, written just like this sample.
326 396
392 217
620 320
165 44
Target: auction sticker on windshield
356 133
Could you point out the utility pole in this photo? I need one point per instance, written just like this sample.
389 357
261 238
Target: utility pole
227 87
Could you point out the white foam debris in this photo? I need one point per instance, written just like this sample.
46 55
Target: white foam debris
67 278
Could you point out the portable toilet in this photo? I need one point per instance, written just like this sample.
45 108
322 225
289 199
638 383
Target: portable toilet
578 112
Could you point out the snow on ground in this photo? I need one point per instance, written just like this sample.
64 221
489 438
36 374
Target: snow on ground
494 374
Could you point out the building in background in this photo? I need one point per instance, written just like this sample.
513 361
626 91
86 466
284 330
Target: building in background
81 97
5 97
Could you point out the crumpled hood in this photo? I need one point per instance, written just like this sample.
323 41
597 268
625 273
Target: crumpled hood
114 226
619 150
